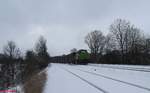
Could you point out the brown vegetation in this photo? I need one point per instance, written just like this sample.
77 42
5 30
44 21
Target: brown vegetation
36 83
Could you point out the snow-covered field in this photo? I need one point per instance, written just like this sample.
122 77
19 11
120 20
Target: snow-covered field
63 78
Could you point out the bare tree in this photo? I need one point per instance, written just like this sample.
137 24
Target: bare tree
41 46
126 35
41 51
147 51
96 42
120 29
134 37
110 43
147 46
11 67
10 50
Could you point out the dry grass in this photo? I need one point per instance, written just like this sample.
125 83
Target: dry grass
36 83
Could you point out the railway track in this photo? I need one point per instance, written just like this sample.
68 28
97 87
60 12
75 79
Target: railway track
117 80
90 83
126 68
85 78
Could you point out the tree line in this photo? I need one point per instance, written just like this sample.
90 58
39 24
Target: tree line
16 69
123 44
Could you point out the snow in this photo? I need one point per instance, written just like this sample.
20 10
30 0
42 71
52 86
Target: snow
137 67
135 77
60 81
63 78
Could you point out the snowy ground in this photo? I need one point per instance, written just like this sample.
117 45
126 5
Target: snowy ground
97 79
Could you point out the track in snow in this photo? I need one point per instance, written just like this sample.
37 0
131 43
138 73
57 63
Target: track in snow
100 89
138 86
125 68
65 78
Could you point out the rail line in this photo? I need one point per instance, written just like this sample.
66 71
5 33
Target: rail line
125 68
93 85
138 86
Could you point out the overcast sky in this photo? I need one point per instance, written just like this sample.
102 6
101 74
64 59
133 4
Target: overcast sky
65 23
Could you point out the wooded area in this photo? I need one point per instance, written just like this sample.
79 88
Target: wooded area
124 44
16 69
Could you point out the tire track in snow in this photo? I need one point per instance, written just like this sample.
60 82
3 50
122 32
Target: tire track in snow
93 85
138 86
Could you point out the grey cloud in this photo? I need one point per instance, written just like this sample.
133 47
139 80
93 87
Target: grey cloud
65 22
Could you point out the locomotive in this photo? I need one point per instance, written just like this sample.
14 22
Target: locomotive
82 57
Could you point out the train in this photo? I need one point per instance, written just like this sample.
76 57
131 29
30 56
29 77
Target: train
82 57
